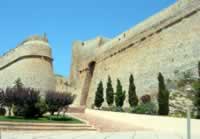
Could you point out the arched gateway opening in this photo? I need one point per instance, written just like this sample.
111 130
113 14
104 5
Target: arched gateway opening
87 82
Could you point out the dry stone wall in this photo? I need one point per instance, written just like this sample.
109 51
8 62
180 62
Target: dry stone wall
167 42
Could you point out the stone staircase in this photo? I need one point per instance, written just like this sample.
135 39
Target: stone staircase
45 126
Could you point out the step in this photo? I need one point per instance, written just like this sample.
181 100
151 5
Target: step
47 128
42 124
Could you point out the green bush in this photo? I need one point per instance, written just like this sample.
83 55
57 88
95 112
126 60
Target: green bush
2 111
41 107
146 108
56 101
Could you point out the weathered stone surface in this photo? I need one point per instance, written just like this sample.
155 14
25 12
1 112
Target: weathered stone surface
166 42
31 61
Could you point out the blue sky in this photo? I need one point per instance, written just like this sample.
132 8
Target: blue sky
67 20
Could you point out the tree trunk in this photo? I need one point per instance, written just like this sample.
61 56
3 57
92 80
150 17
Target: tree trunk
9 111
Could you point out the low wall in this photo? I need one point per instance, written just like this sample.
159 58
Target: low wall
155 123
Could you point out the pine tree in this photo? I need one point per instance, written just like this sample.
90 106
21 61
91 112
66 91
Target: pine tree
109 92
132 97
19 84
163 97
120 95
99 95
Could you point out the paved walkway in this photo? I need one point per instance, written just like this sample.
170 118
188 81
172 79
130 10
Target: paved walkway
89 135
105 125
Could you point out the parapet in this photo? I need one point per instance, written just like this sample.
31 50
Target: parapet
32 46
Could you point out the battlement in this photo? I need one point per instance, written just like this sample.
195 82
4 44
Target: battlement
31 61
154 25
35 46
166 42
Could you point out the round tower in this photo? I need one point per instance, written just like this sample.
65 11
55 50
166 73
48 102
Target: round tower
31 61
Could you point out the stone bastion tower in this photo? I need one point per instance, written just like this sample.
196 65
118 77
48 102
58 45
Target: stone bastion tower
31 61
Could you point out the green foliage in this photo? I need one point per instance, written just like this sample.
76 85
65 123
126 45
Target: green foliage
25 104
1 98
44 119
60 118
196 86
163 97
19 84
41 107
113 108
99 95
145 108
132 97
2 111
109 92
119 95
56 101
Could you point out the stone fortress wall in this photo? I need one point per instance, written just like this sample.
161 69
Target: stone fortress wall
167 42
31 61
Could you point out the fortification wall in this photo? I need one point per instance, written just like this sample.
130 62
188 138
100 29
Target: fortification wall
167 42
31 61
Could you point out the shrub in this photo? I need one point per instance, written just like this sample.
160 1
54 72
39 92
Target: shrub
196 86
41 107
26 103
163 97
119 95
132 97
53 100
57 101
2 111
109 92
145 98
99 95
146 108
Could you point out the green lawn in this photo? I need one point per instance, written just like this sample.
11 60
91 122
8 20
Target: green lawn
45 119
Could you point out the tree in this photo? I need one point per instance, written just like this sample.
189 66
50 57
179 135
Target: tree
163 97
57 101
119 95
26 103
53 100
1 98
99 95
19 84
68 100
109 92
132 97
197 94
9 99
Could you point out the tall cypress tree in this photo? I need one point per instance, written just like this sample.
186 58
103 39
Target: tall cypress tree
163 97
120 95
109 92
132 97
99 95
197 95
